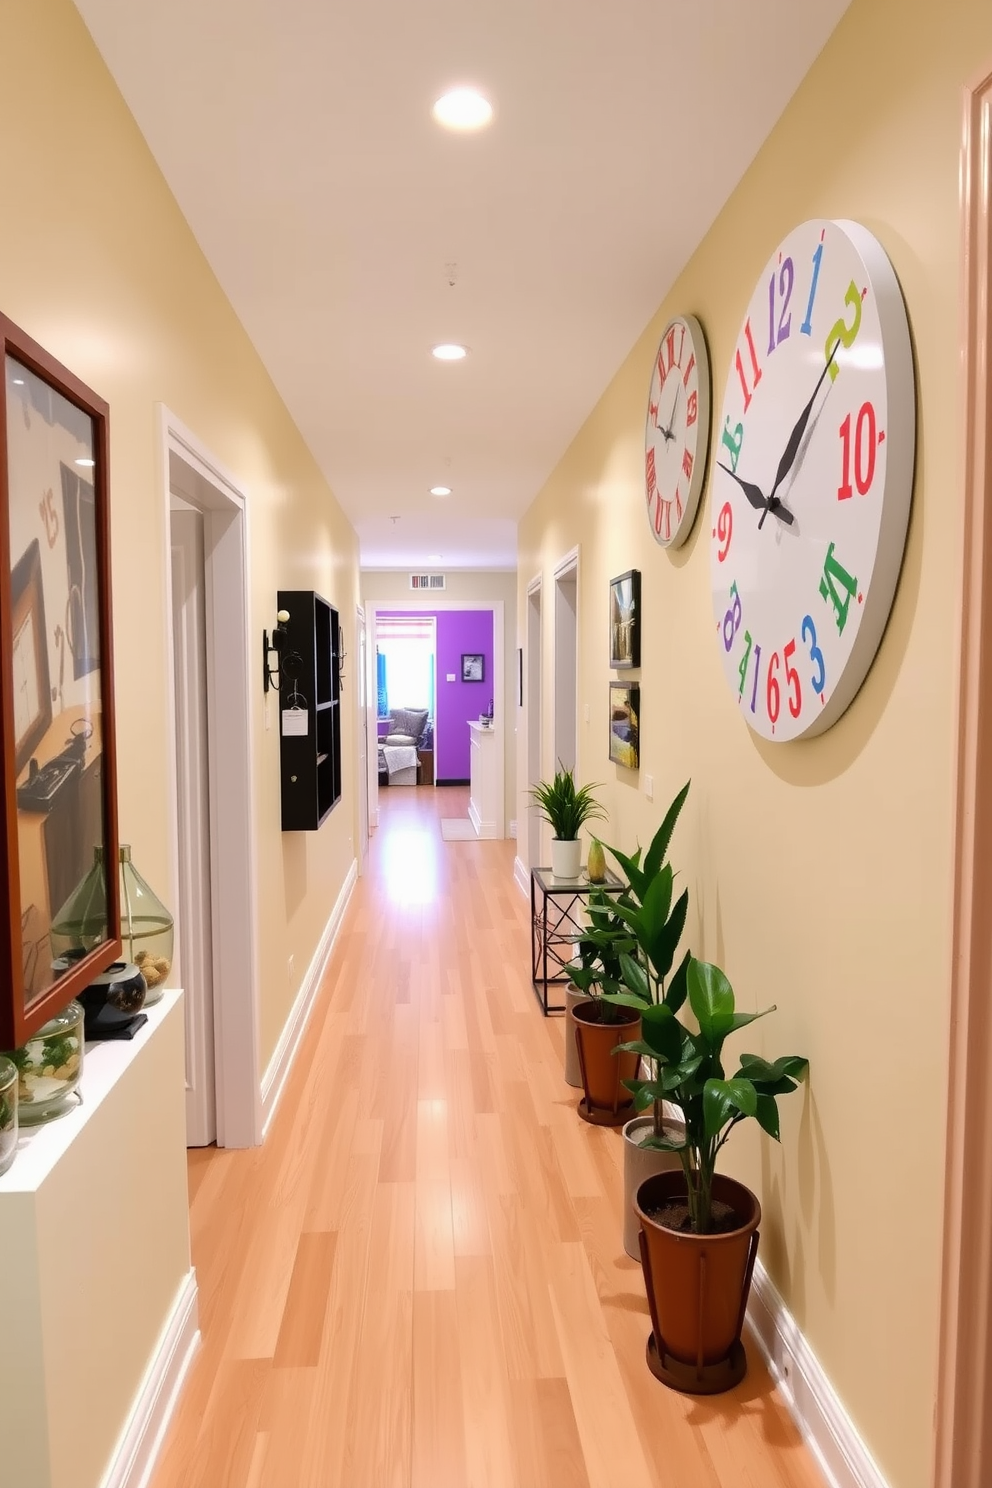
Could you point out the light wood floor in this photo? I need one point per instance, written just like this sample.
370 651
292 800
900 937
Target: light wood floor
419 1281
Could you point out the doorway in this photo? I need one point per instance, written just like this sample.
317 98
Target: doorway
491 692
534 670
212 838
189 657
361 715
566 661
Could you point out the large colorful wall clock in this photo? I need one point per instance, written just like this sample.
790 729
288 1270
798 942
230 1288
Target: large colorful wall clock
677 431
813 479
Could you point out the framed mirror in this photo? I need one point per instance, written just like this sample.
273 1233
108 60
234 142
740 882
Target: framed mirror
56 691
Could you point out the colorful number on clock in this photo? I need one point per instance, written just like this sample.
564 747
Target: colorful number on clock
841 331
780 287
773 685
836 579
806 329
725 530
818 682
754 368
732 619
867 438
783 281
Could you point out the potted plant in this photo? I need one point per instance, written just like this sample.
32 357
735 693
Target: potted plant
699 1229
628 953
566 807
597 1024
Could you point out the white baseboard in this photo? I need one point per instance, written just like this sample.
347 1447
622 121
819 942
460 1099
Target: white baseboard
137 1451
486 831
289 1040
521 877
813 1403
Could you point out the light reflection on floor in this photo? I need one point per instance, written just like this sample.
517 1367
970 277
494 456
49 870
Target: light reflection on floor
409 864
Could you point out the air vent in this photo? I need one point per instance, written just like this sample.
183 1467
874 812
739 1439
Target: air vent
427 581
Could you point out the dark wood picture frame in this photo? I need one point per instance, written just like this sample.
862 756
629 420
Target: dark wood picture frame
473 666
625 724
625 620
59 780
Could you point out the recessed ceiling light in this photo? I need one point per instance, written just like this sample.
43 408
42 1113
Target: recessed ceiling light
448 351
88 463
18 381
463 108
434 557
440 490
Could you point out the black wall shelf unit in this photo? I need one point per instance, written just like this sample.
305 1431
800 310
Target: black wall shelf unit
309 710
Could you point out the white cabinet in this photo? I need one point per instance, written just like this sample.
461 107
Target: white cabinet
484 797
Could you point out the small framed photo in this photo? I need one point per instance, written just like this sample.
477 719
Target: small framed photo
625 620
625 729
473 667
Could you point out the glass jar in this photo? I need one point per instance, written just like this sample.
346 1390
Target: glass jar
81 923
49 1067
8 1112
147 927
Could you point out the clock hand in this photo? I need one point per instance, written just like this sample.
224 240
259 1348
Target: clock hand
795 438
778 509
753 493
669 434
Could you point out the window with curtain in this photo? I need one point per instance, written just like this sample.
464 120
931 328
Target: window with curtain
405 663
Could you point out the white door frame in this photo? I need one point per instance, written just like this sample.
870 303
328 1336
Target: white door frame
231 776
567 567
499 686
361 723
533 631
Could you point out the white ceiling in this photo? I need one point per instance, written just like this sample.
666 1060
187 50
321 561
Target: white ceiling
297 138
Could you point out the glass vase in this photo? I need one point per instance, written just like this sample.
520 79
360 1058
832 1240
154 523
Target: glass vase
81 923
147 927
8 1112
49 1067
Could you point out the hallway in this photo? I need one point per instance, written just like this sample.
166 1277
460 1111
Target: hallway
419 1279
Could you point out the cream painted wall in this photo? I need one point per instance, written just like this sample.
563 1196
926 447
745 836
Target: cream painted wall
469 586
98 264
819 872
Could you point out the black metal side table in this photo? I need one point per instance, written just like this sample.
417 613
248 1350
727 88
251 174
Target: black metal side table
557 924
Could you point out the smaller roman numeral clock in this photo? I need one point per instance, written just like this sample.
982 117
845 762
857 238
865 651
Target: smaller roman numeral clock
677 431
812 480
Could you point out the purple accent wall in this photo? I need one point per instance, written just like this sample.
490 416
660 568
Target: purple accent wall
458 632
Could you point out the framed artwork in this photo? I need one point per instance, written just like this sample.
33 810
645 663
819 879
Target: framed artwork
56 691
625 730
625 620
473 667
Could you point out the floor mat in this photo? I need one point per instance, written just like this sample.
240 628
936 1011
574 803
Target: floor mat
458 829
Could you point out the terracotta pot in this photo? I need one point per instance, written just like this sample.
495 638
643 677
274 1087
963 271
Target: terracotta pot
640 1163
697 1288
573 1072
606 1101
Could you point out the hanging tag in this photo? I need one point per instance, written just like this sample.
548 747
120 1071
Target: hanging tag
295 721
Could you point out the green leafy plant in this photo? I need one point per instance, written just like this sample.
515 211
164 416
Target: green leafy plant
688 1070
626 958
565 805
627 953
